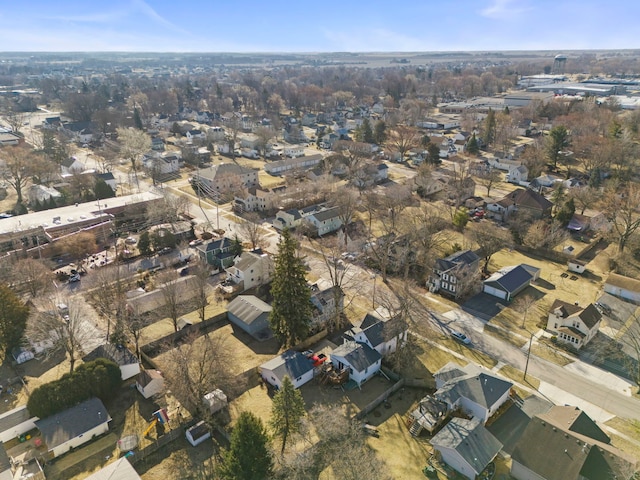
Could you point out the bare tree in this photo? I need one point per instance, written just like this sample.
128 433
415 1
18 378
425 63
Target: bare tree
78 245
621 209
172 291
65 333
109 294
15 120
198 366
490 239
251 229
544 234
584 197
403 138
201 273
523 304
339 276
133 144
17 170
489 178
264 134
34 275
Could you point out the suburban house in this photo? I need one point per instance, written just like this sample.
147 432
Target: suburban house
623 287
192 135
448 273
583 223
80 132
224 177
573 324
15 422
250 314
251 269
198 433
9 139
121 469
120 355
250 141
218 253
161 164
521 200
324 220
293 151
324 305
74 426
256 199
150 383
71 165
298 163
383 335
216 134
362 361
292 364
517 174
287 219
508 282
370 174
477 392
42 193
565 444
466 446
109 179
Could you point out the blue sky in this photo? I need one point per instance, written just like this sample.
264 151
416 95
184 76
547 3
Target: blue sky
327 25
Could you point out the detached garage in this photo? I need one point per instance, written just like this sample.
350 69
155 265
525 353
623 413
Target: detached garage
507 282
623 287
250 314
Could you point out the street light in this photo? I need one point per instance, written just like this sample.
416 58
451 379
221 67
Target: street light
526 367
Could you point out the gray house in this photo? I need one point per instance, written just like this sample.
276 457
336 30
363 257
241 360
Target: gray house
251 315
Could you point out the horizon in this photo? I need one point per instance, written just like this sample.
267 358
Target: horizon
158 26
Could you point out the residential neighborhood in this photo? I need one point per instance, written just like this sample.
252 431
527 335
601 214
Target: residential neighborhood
416 266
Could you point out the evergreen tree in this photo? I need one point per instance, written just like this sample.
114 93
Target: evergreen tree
137 121
433 151
367 132
102 190
556 142
286 412
291 306
236 246
489 133
13 319
472 146
144 244
565 214
248 457
380 132
460 218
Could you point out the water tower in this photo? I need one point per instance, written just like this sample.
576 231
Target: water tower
558 64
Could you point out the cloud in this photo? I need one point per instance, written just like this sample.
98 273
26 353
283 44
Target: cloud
504 9
150 13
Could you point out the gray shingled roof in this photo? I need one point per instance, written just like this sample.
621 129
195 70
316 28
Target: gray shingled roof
291 363
470 440
63 426
510 280
359 355
119 470
248 308
483 389
13 418
120 355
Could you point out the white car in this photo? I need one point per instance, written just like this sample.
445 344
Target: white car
460 337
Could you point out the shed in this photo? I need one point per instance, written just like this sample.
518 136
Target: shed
215 401
198 433
250 314
577 266
150 383
16 422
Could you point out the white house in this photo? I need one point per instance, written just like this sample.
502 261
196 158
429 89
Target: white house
362 361
477 392
16 422
150 383
74 426
293 151
223 177
573 324
623 287
324 303
292 364
281 166
325 221
251 269
466 446
216 134
195 135
197 433
383 335
250 141
42 193
71 165
517 174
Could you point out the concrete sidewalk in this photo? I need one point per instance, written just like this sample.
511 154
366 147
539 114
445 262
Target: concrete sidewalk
606 379
560 397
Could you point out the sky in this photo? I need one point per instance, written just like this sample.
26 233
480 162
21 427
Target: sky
324 26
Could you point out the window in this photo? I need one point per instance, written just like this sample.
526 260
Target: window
453 288
445 277
453 279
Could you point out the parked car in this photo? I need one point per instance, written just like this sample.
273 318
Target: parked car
196 242
165 251
130 241
460 337
74 278
603 307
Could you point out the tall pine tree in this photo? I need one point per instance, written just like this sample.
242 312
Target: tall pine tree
286 412
13 319
248 457
489 130
291 307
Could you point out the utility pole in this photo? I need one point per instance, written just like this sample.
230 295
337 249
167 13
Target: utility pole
526 367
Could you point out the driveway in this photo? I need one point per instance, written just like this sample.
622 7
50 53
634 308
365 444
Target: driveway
484 306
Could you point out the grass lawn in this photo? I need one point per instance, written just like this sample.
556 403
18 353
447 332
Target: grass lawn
503 335
628 427
550 353
516 375
470 354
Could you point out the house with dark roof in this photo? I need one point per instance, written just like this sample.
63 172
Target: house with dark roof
218 253
526 201
507 282
74 426
450 272
383 335
362 361
475 391
109 179
298 367
120 355
198 433
573 324
325 305
565 444
5 465
250 314
466 446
